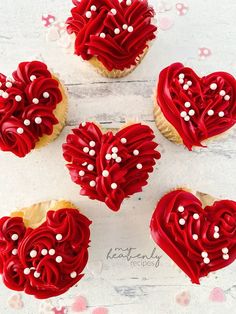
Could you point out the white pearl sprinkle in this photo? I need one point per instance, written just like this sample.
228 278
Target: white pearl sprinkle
92 183
90 167
123 140
195 236
221 114
210 112
108 156
35 101
227 97
125 26
206 260
187 118
102 35
182 221
222 93
32 78
14 252
118 159
216 235
225 250
191 112
83 124
58 259
88 14
5 95
183 114
187 104
113 11
36 274
136 152
128 2
44 252
0 84
85 149
116 31
181 81
92 152
38 120
139 166
1 92
73 274
93 8
114 156
14 237
190 83
216 228
51 252
195 216
225 256
81 173
33 253
213 86
18 98
130 29
181 75
84 163
204 254
26 122
8 84
59 237
181 209
114 149
20 131
185 87
46 95
113 186
26 271
105 173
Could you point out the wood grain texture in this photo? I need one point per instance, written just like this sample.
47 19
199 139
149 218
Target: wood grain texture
117 284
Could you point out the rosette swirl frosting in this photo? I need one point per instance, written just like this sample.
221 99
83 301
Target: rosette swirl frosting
27 102
48 260
110 167
116 32
199 240
198 108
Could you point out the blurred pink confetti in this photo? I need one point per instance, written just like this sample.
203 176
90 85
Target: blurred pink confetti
165 23
48 19
79 305
164 6
100 310
217 295
181 8
183 298
15 302
204 52
61 310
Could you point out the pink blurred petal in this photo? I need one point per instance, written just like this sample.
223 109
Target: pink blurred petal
79 305
217 295
100 310
165 23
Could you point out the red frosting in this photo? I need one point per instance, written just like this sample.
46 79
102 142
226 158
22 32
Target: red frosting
96 22
199 240
43 274
110 167
204 108
27 102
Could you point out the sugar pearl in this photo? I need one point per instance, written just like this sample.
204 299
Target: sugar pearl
35 101
130 29
81 173
46 95
51 252
85 149
32 78
222 92
227 97
88 14
136 152
139 166
44 252
118 159
216 228
83 124
195 236
36 274
113 11
128 2
26 271
181 209
73 274
105 173
59 237
204 254
210 112
18 98
93 8
190 83
108 156
181 81
116 31
123 140
181 76
114 149
206 260
221 114
216 235
1 92
5 95
58 259
102 35
20 131
187 104
90 167
213 86
225 250
84 163
113 186
125 26
33 253
114 156
92 183
38 120
185 87
191 112
183 114
92 152
182 221
14 252
26 122
225 256
187 118
14 237
195 216
8 84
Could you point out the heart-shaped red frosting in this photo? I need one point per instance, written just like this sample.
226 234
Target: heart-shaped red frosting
199 240
48 260
116 32
110 167
198 108
27 101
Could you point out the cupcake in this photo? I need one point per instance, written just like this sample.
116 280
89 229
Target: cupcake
113 35
110 167
33 106
189 109
44 248
197 231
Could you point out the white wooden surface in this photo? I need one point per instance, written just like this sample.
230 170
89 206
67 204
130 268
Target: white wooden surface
42 175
